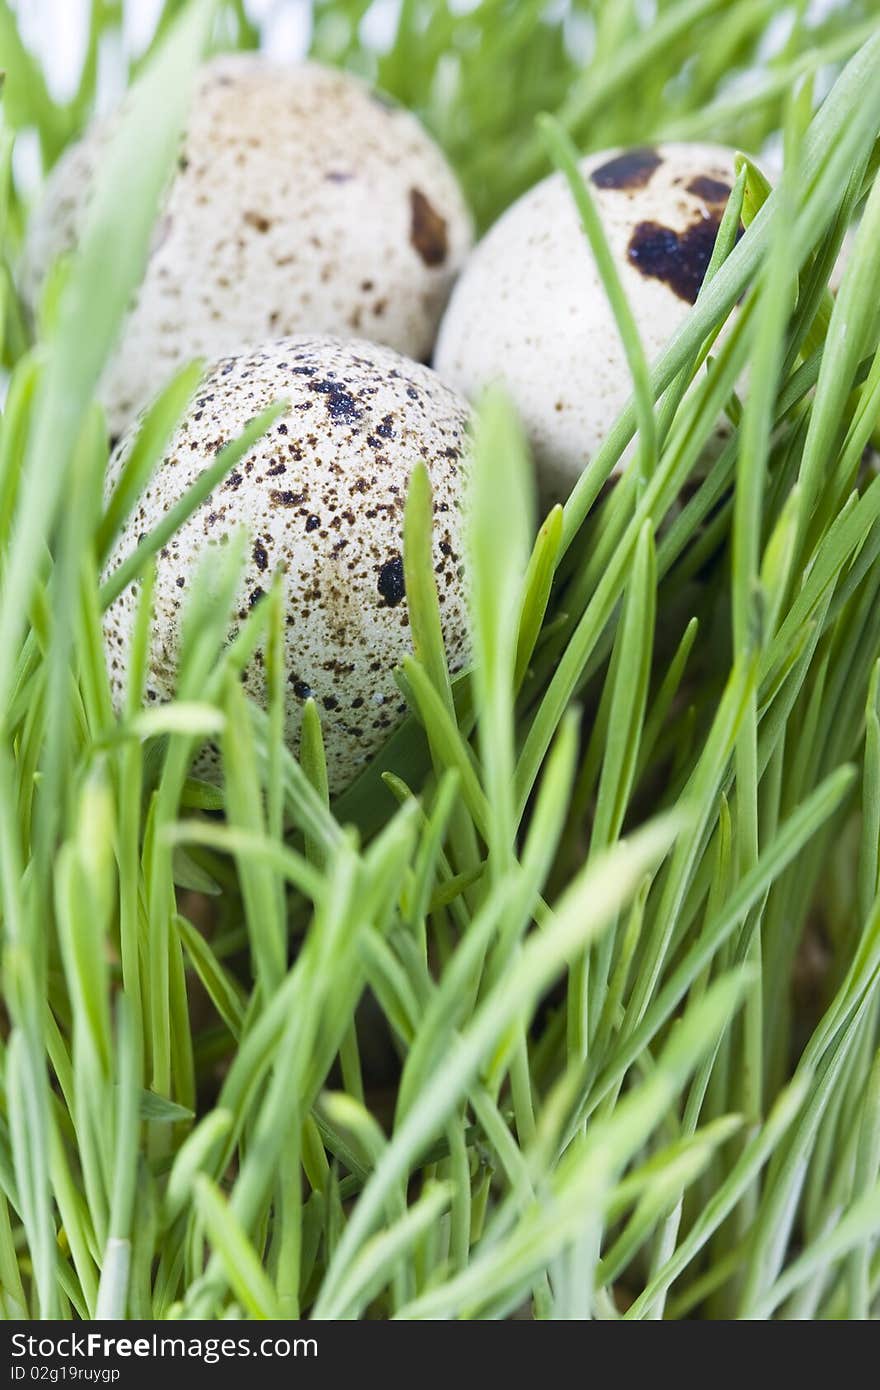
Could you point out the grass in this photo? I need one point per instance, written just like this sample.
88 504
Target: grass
569 1007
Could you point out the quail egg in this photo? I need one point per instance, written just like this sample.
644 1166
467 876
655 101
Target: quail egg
322 497
302 202
531 312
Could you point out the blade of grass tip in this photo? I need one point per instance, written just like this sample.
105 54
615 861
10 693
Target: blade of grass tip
596 894
108 265
113 1288
564 155
421 588
177 514
451 749
153 434
498 535
193 1155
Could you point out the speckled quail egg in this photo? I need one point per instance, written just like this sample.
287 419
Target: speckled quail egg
302 202
530 309
322 497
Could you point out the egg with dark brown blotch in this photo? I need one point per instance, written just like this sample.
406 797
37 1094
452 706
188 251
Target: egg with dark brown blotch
301 202
322 497
530 310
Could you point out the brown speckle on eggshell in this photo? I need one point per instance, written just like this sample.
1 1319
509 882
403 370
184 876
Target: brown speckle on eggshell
335 530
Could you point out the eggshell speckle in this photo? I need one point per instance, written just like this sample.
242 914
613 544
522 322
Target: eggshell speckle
322 496
530 310
302 202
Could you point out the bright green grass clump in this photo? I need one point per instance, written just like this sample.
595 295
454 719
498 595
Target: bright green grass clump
570 1006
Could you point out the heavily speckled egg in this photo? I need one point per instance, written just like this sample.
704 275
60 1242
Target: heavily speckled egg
530 309
322 496
302 202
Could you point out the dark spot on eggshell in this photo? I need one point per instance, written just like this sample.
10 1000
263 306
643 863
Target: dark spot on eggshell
391 584
632 169
710 189
679 259
428 230
338 176
300 688
286 499
342 407
259 222
261 556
